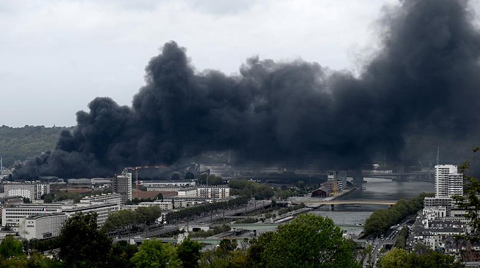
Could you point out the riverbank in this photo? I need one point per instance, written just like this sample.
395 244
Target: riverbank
316 202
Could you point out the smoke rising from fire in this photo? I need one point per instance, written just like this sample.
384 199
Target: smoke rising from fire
421 87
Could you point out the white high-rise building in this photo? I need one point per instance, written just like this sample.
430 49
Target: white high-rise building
448 182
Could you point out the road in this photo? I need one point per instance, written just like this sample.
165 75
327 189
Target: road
380 243
251 206
205 220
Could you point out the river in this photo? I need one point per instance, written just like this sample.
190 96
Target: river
374 189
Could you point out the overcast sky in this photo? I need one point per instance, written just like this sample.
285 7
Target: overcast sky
56 56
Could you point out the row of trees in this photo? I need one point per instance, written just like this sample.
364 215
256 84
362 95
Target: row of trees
251 189
381 220
202 210
212 180
402 238
60 196
136 201
125 219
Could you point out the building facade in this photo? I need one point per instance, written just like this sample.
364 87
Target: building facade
122 184
102 211
214 192
32 191
41 227
102 199
448 182
13 216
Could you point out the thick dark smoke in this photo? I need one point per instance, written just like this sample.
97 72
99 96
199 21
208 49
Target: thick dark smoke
420 90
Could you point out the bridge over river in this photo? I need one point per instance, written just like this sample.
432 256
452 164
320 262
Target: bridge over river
353 202
316 202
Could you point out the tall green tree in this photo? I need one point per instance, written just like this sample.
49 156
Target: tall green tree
155 254
471 199
11 247
38 260
82 244
400 258
189 253
257 248
309 241
121 255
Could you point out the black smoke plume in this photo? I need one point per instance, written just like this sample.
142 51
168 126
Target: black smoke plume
420 90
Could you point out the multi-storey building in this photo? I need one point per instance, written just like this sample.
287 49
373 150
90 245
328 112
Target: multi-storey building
102 211
214 192
24 216
446 202
13 215
208 192
168 185
43 226
448 182
32 191
122 184
101 199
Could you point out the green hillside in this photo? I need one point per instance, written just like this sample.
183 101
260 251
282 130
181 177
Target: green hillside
23 142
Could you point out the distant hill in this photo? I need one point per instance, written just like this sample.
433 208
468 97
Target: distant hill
23 142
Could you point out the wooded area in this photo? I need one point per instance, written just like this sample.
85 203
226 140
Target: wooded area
23 142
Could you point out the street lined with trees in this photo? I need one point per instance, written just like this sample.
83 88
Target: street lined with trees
381 220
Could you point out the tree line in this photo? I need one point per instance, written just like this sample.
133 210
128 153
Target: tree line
402 238
203 210
381 220
23 142
251 189
126 219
